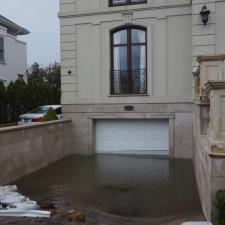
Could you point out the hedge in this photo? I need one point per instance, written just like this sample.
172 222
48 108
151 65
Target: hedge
20 97
220 196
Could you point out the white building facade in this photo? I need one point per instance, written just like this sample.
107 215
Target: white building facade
127 72
13 52
131 83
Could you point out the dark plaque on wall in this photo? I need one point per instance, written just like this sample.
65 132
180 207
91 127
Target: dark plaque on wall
129 108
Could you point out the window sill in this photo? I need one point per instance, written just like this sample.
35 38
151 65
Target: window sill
2 62
129 95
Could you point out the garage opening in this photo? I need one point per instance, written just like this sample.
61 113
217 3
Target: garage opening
147 136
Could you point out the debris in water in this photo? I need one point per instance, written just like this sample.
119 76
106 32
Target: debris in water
71 216
197 223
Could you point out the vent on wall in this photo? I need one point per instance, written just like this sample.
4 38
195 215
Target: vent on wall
129 108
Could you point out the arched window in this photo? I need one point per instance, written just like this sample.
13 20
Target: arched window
129 60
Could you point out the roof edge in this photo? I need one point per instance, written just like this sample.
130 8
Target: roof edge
9 24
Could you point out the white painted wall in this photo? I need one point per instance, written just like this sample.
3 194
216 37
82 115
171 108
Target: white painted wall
85 50
15 58
209 39
220 27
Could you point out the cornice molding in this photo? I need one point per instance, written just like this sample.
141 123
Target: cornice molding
215 85
125 9
208 58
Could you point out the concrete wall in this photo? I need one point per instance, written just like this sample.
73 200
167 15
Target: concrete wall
85 50
25 149
209 135
202 162
15 58
209 169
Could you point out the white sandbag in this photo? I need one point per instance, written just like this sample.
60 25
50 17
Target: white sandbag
197 223
16 205
9 188
12 198
27 205
12 194
24 213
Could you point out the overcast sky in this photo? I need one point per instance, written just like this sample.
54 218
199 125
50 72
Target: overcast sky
40 18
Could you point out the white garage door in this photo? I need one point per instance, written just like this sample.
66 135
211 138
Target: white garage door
132 136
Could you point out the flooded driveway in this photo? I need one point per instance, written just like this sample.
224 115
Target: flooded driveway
114 189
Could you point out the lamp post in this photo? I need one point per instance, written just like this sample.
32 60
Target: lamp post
205 15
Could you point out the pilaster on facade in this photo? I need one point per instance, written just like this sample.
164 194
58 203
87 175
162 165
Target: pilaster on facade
68 44
203 36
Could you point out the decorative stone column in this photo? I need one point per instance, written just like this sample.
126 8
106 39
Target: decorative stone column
209 154
211 69
216 131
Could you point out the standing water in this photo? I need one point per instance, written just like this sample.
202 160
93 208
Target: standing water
107 187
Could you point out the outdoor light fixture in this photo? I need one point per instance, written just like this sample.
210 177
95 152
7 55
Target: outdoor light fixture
205 15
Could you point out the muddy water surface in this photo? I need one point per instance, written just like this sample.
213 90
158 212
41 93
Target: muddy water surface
113 188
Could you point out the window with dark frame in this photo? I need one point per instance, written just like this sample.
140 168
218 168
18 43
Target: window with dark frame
125 2
20 77
129 60
2 54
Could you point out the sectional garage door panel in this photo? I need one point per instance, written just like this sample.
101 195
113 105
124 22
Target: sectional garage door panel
132 136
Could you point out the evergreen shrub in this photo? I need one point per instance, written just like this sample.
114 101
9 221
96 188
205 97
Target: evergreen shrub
50 115
220 196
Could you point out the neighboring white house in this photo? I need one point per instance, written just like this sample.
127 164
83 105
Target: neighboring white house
13 52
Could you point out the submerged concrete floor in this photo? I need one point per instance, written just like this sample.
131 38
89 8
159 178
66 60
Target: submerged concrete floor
115 190
28 221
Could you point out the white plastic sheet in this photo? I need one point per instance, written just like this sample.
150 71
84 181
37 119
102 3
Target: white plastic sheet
13 203
24 213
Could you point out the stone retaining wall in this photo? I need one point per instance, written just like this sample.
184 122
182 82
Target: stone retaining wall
209 130
27 148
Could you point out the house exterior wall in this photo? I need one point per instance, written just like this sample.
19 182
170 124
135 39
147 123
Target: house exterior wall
220 27
175 37
85 61
85 40
208 40
15 57
84 117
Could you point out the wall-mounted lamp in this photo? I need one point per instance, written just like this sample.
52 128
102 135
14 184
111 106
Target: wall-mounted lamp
205 15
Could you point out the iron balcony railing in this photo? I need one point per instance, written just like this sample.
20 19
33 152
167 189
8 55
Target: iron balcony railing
128 82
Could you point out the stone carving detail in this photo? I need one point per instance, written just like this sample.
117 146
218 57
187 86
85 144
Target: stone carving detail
211 68
127 17
216 149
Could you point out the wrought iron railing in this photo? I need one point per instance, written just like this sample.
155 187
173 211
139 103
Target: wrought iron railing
128 82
